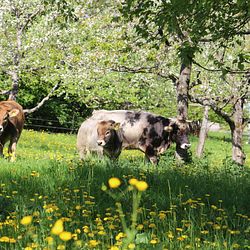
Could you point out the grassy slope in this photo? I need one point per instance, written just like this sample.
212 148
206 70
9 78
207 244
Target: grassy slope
47 171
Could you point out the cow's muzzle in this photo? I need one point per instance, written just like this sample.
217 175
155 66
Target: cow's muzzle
101 142
185 145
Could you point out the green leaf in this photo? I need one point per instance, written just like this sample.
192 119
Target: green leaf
141 238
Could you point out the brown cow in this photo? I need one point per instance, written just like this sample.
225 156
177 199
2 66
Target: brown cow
110 138
11 125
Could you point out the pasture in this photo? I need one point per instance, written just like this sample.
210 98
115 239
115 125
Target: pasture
51 200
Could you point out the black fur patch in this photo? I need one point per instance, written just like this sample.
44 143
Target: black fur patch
165 121
137 116
150 151
152 133
154 119
156 142
132 117
142 140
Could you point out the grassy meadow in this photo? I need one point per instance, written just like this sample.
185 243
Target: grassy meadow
51 200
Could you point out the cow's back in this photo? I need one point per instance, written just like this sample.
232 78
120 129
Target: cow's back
134 124
18 120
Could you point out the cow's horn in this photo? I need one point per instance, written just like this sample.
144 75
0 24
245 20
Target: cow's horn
13 112
168 128
117 125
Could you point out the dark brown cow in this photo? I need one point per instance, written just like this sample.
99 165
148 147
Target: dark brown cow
11 125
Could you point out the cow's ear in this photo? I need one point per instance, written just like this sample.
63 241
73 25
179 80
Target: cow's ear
168 128
117 125
13 113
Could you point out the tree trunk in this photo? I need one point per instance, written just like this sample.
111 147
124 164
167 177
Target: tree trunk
16 60
203 133
15 82
182 91
182 102
237 133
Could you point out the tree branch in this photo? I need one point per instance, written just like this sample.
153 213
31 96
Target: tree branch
147 70
213 105
220 70
5 92
40 104
195 83
30 18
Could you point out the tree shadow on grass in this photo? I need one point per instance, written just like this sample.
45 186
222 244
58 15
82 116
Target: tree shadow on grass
168 184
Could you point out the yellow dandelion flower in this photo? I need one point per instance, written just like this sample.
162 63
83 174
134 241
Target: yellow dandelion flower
75 236
102 232
162 216
131 246
170 235
111 226
58 227
86 229
114 248
26 220
65 236
119 236
153 241
236 246
61 247
93 243
141 185
152 225
234 231
79 243
50 240
132 181
216 227
28 248
179 229
78 207
12 240
91 234
114 182
182 237
204 232
36 213
7 239
139 227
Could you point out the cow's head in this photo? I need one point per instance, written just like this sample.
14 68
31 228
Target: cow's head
5 115
106 131
179 133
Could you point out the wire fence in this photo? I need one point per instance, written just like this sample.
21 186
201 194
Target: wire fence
51 125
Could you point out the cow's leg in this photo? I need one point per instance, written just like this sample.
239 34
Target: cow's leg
12 149
82 154
100 153
151 155
1 148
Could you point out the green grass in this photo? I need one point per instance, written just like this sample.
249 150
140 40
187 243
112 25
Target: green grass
204 204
